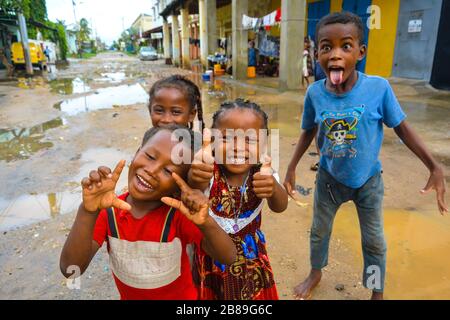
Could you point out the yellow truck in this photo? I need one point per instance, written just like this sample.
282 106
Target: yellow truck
38 58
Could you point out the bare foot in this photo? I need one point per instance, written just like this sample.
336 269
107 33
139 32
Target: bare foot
304 289
377 296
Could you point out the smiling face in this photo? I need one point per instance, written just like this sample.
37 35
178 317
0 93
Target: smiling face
171 106
239 156
150 173
339 50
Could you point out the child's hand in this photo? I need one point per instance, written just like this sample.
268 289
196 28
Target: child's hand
98 189
202 167
263 181
289 182
194 204
437 182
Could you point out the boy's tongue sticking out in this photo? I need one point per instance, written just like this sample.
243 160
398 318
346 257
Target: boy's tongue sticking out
336 76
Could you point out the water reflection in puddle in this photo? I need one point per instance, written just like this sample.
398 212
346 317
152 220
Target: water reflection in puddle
21 143
112 77
104 98
418 266
29 209
32 208
69 86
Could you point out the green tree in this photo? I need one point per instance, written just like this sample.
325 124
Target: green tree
84 32
16 6
130 37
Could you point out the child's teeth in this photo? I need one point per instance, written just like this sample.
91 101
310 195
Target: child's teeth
144 182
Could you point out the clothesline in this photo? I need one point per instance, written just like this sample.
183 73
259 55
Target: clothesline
266 21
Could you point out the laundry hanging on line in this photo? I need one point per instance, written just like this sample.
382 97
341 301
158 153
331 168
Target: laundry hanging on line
266 21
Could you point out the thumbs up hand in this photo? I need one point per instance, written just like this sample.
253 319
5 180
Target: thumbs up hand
202 168
263 181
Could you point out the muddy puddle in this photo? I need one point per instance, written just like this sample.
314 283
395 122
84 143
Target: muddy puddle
418 242
69 86
430 121
21 143
31 208
111 77
104 98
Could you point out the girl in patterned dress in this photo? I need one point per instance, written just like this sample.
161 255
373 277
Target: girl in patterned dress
237 183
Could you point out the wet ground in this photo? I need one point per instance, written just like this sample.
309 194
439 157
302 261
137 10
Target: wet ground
56 127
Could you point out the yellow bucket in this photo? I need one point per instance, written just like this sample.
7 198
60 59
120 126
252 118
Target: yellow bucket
217 67
251 72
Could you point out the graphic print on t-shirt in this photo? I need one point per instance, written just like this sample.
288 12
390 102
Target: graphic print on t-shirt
340 128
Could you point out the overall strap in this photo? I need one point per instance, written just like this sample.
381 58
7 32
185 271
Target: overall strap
112 222
166 227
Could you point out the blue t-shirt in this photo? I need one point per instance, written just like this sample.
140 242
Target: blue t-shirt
351 126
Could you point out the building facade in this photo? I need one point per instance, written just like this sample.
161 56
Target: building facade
401 36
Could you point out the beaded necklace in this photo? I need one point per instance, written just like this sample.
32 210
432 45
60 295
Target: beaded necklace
242 191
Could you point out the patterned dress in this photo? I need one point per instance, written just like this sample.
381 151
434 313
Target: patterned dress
251 276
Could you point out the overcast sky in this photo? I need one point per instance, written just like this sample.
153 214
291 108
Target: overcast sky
105 15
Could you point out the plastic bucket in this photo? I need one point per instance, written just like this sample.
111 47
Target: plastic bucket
251 72
211 74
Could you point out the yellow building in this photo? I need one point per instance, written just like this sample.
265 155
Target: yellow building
380 15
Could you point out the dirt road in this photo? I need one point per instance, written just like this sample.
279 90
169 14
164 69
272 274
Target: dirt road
56 128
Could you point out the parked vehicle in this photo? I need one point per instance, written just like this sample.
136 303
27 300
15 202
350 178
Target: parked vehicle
148 53
38 58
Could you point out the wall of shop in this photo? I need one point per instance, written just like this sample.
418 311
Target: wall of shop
416 43
380 42
380 53
440 76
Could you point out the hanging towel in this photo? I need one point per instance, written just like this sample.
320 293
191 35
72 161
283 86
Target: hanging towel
269 20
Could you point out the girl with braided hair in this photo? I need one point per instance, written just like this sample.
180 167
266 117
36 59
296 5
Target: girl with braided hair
175 100
239 180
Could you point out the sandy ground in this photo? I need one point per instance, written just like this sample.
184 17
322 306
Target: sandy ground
29 256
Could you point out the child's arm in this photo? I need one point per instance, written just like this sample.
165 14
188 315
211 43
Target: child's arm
416 145
202 168
98 193
266 187
194 205
79 248
304 142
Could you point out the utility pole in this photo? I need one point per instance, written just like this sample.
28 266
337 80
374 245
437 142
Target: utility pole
77 43
74 14
25 46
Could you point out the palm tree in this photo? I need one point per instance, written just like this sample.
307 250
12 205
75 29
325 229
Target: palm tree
85 31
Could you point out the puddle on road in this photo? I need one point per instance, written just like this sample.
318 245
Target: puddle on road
425 117
104 99
18 144
112 77
418 242
432 124
31 208
69 86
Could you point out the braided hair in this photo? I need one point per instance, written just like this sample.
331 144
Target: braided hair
240 103
189 88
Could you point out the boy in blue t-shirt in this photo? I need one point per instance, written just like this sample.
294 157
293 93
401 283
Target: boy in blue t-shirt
348 110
